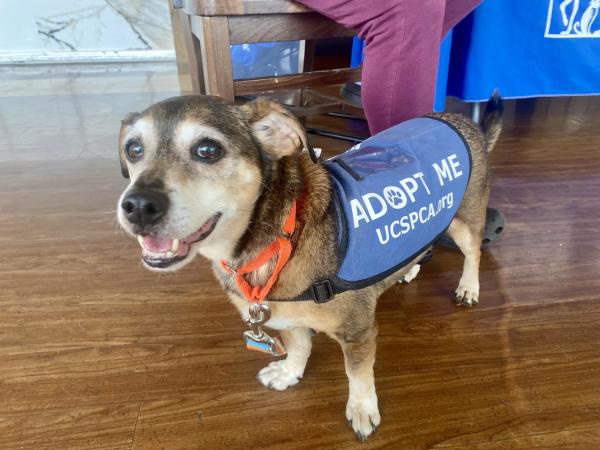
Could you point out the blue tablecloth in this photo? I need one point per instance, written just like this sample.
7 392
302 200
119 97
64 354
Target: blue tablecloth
527 48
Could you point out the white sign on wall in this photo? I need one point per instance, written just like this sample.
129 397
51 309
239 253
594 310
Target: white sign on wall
573 19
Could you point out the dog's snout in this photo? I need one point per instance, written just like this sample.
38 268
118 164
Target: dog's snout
145 207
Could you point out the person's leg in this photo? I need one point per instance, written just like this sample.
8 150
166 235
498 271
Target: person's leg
457 10
402 39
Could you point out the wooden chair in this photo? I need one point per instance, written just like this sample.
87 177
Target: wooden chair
204 30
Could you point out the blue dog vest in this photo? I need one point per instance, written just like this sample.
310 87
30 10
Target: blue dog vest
395 194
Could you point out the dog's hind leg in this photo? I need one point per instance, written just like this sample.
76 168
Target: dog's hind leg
287 372
362 411
468 238
410 275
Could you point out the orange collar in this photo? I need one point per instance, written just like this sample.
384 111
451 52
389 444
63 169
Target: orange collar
281 246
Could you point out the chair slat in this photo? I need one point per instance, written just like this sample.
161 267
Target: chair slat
241 7
318 78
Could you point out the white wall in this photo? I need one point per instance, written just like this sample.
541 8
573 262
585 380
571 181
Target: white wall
84 25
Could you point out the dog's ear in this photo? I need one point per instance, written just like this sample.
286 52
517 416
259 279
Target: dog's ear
126 122
275 128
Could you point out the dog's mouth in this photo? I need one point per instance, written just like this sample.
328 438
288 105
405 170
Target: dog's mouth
160 252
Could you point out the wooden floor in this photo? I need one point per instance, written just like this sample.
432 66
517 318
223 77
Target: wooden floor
97 353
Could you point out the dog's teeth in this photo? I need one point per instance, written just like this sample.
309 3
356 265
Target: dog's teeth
140 239
175 245
170 254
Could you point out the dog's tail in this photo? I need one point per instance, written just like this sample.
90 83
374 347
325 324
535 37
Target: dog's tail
492 120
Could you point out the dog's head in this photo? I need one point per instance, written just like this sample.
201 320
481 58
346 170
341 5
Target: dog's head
196 167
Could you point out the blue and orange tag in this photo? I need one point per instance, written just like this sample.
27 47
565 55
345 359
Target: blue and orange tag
264 344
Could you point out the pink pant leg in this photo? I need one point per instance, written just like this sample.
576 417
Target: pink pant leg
402 39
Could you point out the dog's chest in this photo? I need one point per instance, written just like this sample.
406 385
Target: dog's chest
284 315
282 323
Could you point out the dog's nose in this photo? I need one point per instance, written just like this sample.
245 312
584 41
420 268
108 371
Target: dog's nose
145 207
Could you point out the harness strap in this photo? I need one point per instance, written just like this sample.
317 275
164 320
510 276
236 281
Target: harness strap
280 247
319 292
325 290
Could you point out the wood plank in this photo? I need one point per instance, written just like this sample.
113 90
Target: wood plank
317 78
284 27
576 439
241 7
79 427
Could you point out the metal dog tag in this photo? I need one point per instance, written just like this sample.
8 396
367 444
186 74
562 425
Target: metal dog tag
256 338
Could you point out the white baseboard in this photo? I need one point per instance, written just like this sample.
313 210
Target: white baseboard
87 57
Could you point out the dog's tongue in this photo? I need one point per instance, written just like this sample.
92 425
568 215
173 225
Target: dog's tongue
157 244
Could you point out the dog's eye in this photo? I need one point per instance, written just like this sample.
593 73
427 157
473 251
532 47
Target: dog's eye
207 151
134 150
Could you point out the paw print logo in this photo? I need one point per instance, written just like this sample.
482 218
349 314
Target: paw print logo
395 197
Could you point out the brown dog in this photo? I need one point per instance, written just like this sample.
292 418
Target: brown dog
218 180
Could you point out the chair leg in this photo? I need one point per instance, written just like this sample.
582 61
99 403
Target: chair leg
187 50
308 60
213 35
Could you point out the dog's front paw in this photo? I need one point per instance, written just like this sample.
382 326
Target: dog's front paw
363 416
280 375
467 295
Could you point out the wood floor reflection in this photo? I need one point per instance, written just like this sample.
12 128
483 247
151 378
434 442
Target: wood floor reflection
96 352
